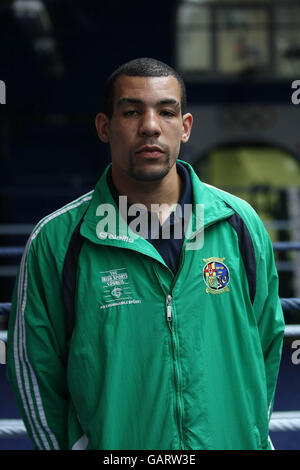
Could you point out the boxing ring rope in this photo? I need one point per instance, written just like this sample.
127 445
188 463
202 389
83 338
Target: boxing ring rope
12 428
285 246
280 420
9 251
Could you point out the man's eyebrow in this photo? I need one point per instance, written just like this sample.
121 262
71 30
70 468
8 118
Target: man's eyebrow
170 101
128 100
123 101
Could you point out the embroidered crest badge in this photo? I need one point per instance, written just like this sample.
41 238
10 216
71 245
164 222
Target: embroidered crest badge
216 275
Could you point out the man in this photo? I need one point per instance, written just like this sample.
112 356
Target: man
175 342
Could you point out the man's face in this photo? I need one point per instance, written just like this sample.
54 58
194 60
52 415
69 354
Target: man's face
146 127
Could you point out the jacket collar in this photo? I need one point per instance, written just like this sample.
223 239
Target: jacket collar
103 208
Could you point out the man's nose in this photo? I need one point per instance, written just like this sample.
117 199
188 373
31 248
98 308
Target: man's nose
149 124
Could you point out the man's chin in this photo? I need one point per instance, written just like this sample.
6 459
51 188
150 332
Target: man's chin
149 174
150 171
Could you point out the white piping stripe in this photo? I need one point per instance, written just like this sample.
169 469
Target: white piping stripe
56 214
25 360
16 354
71 205
20 352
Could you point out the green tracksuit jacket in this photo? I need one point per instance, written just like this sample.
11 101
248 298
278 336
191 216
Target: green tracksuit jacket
155 361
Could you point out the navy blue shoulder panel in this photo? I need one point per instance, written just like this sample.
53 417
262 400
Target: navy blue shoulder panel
246 249
69 276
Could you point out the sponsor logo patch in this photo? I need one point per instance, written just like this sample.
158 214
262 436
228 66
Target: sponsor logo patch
216 275
116 287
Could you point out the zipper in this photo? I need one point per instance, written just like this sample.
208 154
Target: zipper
171 321
169 308
175 347
177 368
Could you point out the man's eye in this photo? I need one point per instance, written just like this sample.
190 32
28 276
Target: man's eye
167 113
130 112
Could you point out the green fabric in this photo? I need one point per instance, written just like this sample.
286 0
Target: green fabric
130 379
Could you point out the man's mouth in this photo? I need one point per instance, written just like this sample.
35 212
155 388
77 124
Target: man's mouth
150 151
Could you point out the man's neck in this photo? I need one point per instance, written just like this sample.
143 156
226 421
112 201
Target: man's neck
165 192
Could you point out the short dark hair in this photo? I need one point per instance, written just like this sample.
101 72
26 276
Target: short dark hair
143 67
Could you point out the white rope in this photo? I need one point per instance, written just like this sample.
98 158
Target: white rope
2 352
280 421
12 428
292 330
285 421
3 335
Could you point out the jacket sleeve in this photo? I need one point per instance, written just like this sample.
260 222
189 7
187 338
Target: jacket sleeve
270 317
36 359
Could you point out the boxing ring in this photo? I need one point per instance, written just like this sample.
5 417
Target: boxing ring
280 420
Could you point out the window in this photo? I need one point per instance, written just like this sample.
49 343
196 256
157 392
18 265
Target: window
223 38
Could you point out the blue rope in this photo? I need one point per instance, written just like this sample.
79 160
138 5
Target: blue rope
4 308
7 251
290 305
16 251
284 246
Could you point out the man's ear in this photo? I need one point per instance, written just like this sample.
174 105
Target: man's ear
187 122
102 126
